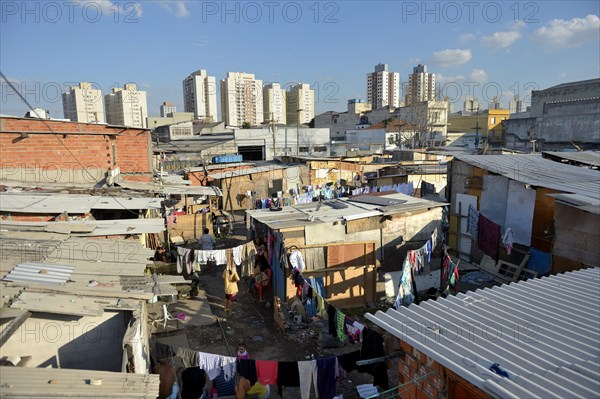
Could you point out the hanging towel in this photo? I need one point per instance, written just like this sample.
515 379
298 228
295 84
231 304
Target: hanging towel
210 363
189 358
266 372
237 255
181 259
489 236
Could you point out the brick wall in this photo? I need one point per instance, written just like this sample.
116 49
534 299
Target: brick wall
430 377
133 151
420 377
76 152
27 218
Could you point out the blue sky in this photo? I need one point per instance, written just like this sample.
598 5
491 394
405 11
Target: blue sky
494 47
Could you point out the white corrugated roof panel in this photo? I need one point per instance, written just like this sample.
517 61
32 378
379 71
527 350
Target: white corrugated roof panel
32 382
544 332
71 203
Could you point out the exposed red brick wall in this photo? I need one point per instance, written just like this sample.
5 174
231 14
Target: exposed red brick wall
28 218
85 146
133 152
430 378
420 377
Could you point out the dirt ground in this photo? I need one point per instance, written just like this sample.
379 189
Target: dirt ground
252 322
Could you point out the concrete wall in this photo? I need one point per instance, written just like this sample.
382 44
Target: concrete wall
576 235
568 92
577 121
286 140
92 343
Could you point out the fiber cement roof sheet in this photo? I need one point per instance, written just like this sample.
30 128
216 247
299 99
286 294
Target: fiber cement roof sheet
543 332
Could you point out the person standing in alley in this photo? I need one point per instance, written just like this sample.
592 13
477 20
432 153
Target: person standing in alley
230 278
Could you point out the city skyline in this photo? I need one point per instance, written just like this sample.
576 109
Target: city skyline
489 50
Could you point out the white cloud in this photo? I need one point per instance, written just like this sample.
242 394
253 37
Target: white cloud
451 58
562 75
569 33
179 8
478 75
466 38
501 39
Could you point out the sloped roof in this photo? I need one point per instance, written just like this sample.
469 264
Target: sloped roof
583 157
538 171
543 332
71 203
31 382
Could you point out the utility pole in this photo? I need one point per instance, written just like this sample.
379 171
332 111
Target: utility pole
273 132
477 128
298 129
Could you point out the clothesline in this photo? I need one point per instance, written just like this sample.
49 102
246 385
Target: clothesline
322 372
414 262
340 326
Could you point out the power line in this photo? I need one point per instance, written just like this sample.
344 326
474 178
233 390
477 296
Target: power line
61 142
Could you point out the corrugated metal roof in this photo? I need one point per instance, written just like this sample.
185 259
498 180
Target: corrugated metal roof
583 157
71 203
31 382
40 273
170 189
538 171
587 204
90 228
543 332
246 171
305 214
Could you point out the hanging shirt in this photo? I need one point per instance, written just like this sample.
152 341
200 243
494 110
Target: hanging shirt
266 371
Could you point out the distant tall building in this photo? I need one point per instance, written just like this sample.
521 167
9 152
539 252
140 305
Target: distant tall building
470 104
383 87
516 105
126 107
167 108
421 85
300 104
200 96
83 103
495 104
274 103
241 99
